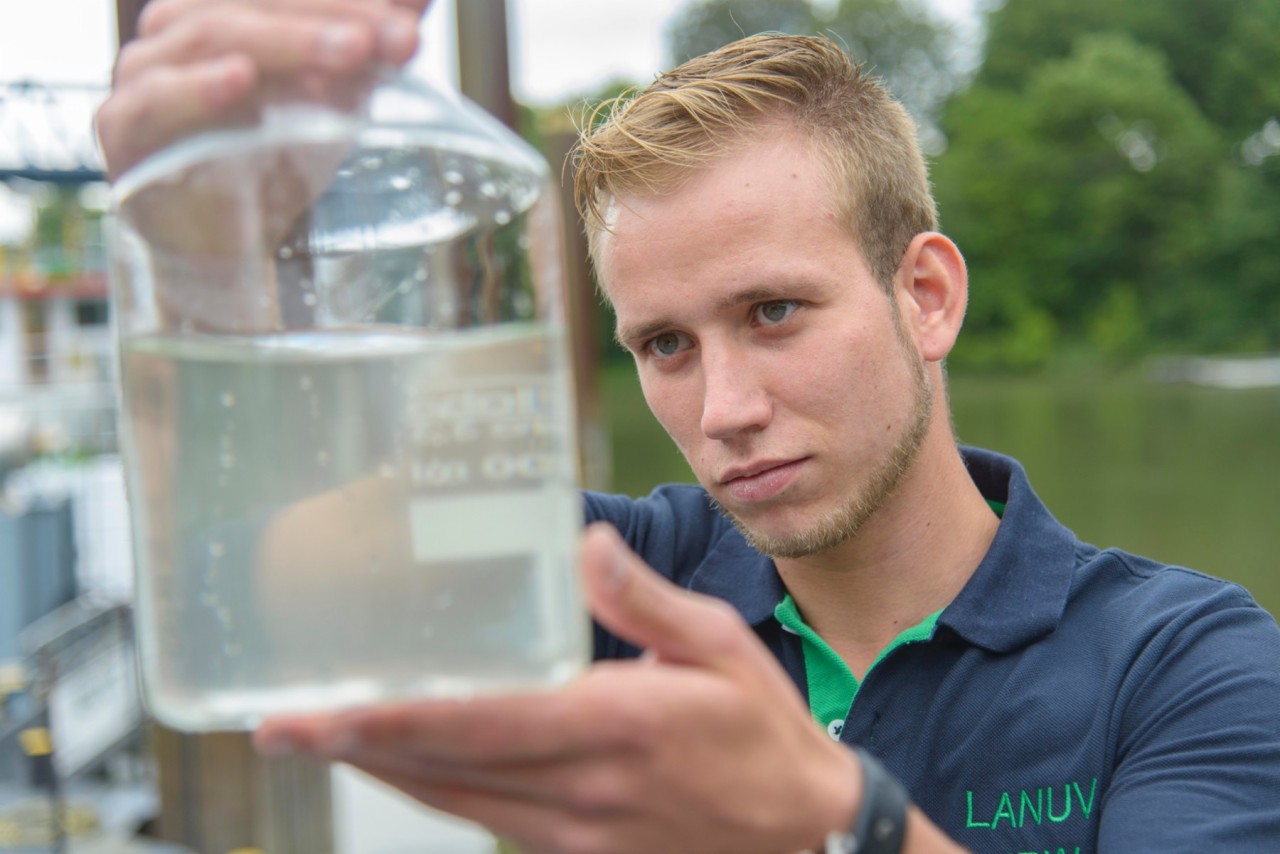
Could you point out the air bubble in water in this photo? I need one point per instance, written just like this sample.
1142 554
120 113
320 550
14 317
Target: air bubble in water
217 549
371 161
453 198
405 287
309 299
502 217
228 399
453 176
305 383
227 460
401 182
488 189
420 274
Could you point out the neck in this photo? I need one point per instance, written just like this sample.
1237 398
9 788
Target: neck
910 560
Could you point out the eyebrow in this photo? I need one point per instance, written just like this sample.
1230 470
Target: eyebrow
759 293
643 332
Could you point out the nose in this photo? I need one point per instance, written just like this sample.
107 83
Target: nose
734 399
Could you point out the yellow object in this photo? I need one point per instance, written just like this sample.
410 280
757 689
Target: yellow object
13 678
36 741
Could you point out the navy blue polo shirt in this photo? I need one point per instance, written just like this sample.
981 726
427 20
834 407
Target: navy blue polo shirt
1069 699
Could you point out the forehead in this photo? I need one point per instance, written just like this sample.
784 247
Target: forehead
759 203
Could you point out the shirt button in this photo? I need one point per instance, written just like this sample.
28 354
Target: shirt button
835 728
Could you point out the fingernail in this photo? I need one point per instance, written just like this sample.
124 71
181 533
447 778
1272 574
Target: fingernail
618 568
338 45
339 743
397 39
221 80
278 745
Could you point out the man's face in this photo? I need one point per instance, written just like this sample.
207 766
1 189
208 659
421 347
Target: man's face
766 348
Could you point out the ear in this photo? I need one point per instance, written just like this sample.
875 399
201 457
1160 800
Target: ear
932 289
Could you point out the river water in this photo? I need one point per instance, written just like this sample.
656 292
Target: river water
1181 473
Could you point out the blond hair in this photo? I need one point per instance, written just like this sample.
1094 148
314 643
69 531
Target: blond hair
647 143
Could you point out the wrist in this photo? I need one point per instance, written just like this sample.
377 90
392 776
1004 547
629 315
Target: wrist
879 823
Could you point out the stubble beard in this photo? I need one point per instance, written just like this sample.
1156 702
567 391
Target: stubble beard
845 521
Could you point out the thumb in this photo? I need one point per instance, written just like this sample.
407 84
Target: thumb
638 605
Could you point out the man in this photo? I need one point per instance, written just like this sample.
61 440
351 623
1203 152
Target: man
760 220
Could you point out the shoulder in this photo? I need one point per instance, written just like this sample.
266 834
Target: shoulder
1193 664
1185 653
1143 595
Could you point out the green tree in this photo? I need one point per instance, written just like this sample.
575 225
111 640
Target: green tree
1202 40
901 41
704 25
915 52
1103 193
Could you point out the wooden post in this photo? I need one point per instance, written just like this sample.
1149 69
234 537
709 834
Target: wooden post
582 306
218 796
484 73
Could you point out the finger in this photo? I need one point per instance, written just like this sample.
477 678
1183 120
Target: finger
582 719
639 606
169 103
513 728
595 785
307 43
320 30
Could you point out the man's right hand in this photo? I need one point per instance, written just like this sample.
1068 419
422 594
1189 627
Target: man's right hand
198 64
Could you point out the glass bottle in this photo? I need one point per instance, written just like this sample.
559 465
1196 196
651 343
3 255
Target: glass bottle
347 415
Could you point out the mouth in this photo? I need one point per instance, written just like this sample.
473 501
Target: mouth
760 481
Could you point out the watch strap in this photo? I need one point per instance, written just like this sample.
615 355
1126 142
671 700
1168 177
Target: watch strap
881 824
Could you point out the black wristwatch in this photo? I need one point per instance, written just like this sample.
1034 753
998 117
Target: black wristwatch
882 818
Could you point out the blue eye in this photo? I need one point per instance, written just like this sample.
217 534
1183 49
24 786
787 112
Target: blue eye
666 344
770 313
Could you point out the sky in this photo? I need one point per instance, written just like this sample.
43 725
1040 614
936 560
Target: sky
560 49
